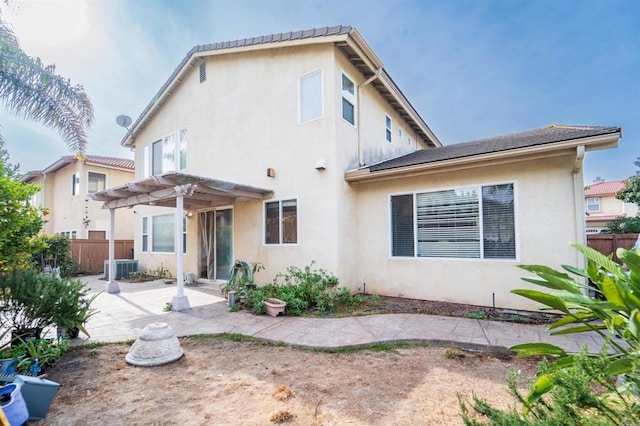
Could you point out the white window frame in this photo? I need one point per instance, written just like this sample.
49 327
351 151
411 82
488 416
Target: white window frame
349 97
478 188
144 233
388 126
75 184
280 222
179 161
88 181
149 234
146 161
301 92
597 204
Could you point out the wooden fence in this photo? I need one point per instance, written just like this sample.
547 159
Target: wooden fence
608 243
91 254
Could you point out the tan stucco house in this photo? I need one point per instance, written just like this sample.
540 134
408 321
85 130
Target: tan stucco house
299 147
65 190
602 206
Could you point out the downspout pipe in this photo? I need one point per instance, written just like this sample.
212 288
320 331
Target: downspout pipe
368 81
578 193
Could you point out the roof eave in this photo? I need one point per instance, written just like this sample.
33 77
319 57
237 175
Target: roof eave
592 143
194 57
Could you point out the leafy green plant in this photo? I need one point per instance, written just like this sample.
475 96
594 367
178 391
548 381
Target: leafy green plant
35 355
623 225
617 315
55 252
160 272
167 307
19 220
613 312
32 300
477 315
301 289
572 401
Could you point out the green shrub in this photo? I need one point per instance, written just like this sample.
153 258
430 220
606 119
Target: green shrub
623 225
55 252
302 290
30 299
572 401
579 388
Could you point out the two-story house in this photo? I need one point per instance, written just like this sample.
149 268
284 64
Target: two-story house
602 206
65 190
299 147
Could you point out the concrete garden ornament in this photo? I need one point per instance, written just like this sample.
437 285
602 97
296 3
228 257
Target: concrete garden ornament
156 345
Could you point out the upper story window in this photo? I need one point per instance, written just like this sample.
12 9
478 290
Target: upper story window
387 125
96 183
75 183
593 204
348 99
471 222
167 155
310 105
281 222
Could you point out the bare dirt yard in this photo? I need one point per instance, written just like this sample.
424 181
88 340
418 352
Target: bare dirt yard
220 381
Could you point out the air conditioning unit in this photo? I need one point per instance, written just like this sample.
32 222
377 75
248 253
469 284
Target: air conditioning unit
123 267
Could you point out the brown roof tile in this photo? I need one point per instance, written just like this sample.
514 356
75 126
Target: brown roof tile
546 135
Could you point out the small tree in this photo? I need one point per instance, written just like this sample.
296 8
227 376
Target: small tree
631 192
55 253
19 221
623 225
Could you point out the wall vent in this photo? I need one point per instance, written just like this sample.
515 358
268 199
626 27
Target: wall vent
203 72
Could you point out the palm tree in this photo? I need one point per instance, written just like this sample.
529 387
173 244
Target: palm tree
32 90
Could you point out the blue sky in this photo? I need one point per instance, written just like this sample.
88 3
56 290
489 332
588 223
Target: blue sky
472 69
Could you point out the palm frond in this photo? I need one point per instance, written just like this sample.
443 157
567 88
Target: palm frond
34 91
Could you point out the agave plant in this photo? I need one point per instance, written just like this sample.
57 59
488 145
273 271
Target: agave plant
609 307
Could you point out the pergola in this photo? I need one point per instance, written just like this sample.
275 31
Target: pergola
181 191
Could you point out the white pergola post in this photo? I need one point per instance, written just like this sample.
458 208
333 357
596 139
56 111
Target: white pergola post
180 302
112 286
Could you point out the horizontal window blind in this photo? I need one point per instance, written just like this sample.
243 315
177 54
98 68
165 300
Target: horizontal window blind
448 223
402 225
498 222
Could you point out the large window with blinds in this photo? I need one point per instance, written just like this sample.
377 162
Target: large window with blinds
470 222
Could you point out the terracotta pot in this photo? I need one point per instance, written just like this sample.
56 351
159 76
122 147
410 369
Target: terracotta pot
274 306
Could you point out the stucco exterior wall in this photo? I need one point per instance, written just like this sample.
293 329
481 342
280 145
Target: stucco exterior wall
243 120
68 212
544 206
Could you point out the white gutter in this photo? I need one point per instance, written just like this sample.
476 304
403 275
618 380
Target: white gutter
578 194
590 143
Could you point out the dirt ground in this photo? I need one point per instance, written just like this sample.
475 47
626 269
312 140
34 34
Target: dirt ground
223 382
220 381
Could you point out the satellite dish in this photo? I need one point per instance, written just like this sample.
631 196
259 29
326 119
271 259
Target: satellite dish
124 121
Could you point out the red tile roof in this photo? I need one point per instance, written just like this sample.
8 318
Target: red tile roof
604 188
603 218
123 163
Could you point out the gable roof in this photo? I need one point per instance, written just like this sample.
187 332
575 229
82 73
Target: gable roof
93 160
604 188
547 138
345 37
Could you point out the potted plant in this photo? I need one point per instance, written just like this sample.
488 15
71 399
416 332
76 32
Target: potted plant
73 308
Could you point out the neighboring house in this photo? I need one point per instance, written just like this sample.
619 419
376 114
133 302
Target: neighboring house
65 190
602 206
299 147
